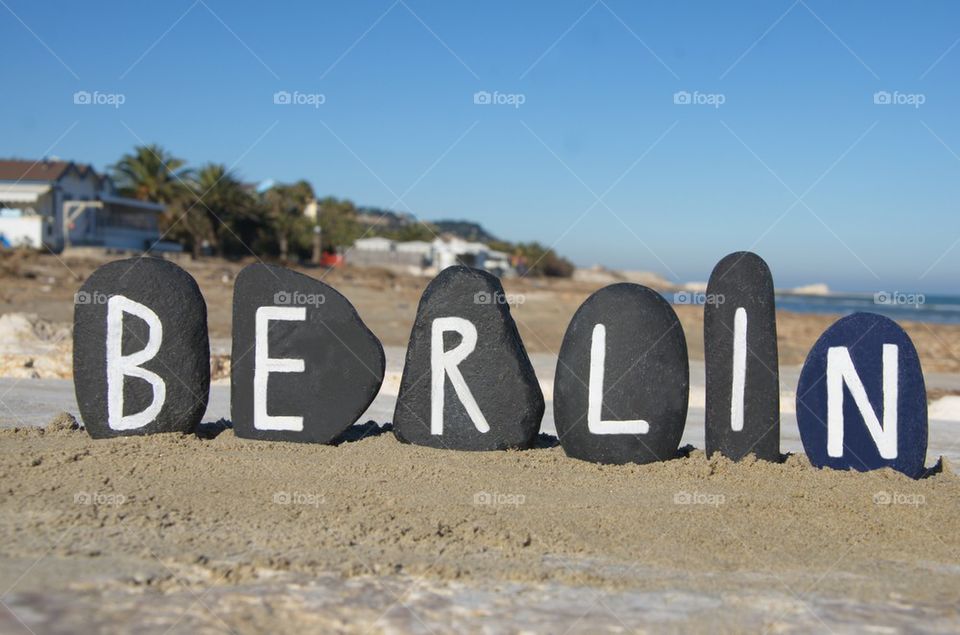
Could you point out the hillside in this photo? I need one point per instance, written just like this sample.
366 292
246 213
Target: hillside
467 230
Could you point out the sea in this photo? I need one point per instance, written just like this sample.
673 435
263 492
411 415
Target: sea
914 307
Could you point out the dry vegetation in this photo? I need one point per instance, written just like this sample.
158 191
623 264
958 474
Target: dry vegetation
387 301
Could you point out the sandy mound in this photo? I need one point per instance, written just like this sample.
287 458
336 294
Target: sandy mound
375 505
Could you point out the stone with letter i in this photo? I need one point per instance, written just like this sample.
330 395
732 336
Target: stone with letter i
861 399
622 381
304 367
467 382
141 356
742 414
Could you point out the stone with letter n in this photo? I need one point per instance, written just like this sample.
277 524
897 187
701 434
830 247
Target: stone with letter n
861 399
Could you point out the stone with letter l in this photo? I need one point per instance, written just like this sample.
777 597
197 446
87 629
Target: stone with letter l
622 382
141 356
467 382
304 365
861 398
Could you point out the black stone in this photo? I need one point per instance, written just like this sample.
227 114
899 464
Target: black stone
864 336
182 362
343 361
497 372
645 377
741 284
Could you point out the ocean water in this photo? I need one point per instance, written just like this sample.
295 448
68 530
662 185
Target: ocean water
915 307
898 306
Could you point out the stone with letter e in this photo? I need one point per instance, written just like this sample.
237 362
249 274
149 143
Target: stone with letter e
141 357
304 365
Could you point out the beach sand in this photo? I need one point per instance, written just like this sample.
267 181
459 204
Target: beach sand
210 533
213 533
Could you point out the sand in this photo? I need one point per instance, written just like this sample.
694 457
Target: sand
209 533
375 536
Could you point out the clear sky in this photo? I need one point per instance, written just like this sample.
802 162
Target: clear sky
781 150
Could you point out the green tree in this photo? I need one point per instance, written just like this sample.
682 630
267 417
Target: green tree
338 218
538 260
286 223
225 213
150 173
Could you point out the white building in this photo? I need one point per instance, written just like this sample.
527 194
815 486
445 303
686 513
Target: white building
59 204
429 257
374 244
419 247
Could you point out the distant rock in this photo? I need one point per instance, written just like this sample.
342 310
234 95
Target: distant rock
945 408
467 230
646 278
601 275
818 288
27 333
596 273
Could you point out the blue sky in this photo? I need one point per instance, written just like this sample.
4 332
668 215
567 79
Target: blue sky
797 163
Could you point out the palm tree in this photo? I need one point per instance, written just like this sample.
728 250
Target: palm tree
151 173
285 205
228 208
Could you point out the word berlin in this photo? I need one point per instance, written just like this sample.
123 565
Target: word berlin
305 367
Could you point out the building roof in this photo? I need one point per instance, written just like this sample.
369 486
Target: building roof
22 192
39 170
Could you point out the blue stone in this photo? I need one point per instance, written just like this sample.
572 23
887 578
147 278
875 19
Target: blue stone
869 355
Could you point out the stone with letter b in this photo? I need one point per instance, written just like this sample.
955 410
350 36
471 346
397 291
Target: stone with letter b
861 399
141 357
304 365
467 381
